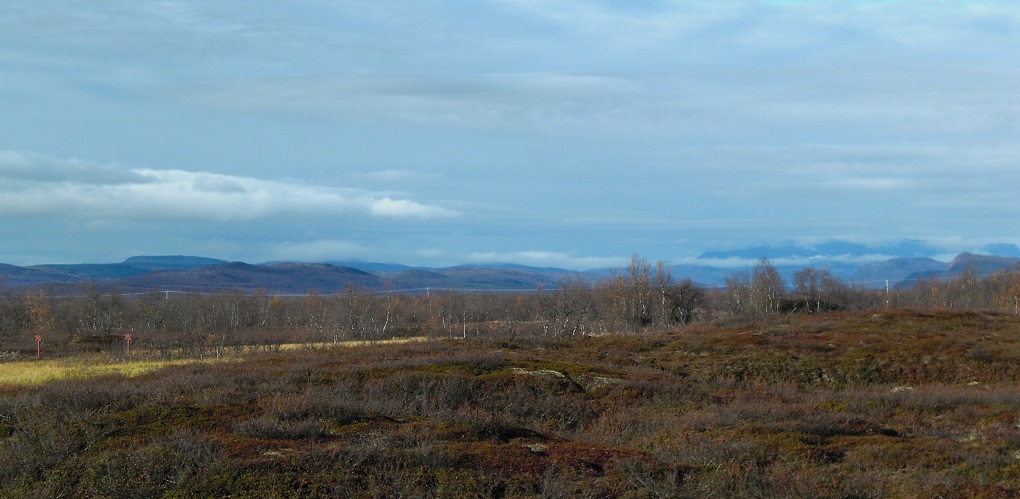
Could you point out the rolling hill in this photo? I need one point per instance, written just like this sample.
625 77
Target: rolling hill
198 274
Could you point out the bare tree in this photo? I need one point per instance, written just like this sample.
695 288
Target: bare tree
808 287
663 282
737 293
636 287
569 308
682 300
767 288
1005 290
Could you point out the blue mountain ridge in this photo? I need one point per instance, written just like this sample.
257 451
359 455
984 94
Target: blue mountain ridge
200 274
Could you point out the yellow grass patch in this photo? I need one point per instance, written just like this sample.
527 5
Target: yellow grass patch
357 343
41 371
34 372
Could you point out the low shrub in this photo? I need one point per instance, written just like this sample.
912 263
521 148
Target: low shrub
273 429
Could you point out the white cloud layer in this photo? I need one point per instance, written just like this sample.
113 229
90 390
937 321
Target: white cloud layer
478 129
823 99
34 185
549 259
317 251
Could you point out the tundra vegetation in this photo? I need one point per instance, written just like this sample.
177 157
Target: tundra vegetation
637 386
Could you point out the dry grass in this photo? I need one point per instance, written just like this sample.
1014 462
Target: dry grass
26 373
35 372
348 344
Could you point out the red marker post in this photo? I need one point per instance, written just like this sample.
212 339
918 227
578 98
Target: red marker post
38 346
127 342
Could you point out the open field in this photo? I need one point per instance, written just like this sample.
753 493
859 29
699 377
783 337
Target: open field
34 372
875 404
25 373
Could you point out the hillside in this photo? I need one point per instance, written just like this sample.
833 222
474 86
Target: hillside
14 276
276 278
102 272
898 270
188 273
980 264
183 273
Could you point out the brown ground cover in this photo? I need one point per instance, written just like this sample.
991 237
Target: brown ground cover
863 404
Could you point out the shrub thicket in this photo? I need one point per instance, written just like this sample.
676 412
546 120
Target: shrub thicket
819 405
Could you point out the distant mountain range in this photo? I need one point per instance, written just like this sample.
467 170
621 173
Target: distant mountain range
906 248
187 273
197 274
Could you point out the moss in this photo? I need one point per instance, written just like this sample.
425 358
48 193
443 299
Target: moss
152 420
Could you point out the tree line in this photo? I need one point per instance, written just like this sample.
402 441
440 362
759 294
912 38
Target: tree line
640 296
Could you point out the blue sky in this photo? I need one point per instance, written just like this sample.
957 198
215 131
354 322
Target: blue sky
568 133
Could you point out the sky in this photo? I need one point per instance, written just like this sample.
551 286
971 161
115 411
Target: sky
573 133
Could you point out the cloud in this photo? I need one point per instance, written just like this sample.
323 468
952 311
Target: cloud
681 68
396 175
767 25
546 101
872 184
317 251
27 167
405 208
743 263
615 126
817 101
36 185
549 259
